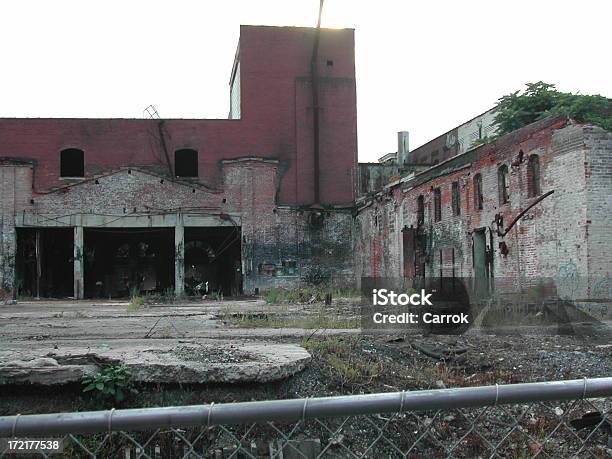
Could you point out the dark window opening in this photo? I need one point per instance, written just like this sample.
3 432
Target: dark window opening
186 163
478 192
437 205
72 163
330 63
420 210
456 199
502 183
533 176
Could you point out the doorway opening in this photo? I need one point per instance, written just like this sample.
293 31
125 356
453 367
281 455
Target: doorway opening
212 261
119 262
44 262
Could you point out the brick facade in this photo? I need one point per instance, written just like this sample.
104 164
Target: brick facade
256 172
564 237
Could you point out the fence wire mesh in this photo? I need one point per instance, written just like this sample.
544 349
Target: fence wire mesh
575 428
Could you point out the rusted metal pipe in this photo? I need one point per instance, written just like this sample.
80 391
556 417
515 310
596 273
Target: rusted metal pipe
518 217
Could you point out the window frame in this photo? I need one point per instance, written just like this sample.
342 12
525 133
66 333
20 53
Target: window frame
456 198
534 187
503 185
437 192
478 197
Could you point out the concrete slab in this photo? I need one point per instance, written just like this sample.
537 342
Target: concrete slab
156 360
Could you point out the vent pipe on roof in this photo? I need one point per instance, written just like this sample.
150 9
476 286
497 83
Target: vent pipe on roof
403 147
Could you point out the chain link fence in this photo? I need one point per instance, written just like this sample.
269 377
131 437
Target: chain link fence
551 419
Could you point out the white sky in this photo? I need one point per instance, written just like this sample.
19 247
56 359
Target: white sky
424 66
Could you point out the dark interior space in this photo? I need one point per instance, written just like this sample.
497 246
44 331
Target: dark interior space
44 262
123 261
212 261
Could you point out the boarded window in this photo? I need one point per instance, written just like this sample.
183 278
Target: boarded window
186 163
72 163
478 192
437 205
502 184
456 199
533 176
420 210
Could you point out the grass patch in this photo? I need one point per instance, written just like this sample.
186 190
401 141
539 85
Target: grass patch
323 319
307 294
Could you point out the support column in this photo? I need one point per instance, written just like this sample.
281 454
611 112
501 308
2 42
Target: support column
179 256
79 274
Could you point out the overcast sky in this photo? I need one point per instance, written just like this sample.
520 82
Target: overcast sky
422 66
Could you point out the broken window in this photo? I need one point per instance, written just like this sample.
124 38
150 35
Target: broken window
420 210
456 199
72 163
186 163
533 176
478 192
502 184
437 205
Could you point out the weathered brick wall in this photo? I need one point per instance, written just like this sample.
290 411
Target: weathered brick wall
598 170
276 123
15 194
557 238
283 246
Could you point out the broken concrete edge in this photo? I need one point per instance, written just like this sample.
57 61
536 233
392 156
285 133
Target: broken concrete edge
270 363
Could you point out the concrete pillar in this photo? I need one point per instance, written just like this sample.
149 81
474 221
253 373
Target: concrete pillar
179 257
79 274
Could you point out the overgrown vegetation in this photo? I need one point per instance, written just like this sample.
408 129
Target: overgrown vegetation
311 294
540 100
112 384
324 318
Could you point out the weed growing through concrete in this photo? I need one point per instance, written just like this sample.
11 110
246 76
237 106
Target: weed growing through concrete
113 383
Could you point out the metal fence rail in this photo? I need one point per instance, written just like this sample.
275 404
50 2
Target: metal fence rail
547 419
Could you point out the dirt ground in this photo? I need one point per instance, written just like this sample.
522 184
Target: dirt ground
344 360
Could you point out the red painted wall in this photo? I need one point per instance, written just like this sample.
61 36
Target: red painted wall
276 123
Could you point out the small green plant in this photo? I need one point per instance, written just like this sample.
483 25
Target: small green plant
113 383
217 296
136 301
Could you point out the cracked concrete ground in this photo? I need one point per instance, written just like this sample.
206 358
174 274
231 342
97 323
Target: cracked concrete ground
50 342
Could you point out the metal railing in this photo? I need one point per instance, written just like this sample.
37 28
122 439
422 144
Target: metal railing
546 419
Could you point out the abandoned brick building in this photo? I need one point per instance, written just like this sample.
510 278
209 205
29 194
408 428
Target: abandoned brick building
534 203
97 207
273 195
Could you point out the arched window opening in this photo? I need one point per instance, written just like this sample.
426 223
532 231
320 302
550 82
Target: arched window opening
502 184
533 176
437 205
478 192
186 163
420 210
72 163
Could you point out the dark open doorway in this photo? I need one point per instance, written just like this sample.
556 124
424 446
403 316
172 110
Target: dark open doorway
212 261
121 261
44 262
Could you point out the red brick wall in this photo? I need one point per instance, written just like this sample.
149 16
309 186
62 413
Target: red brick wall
276 123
